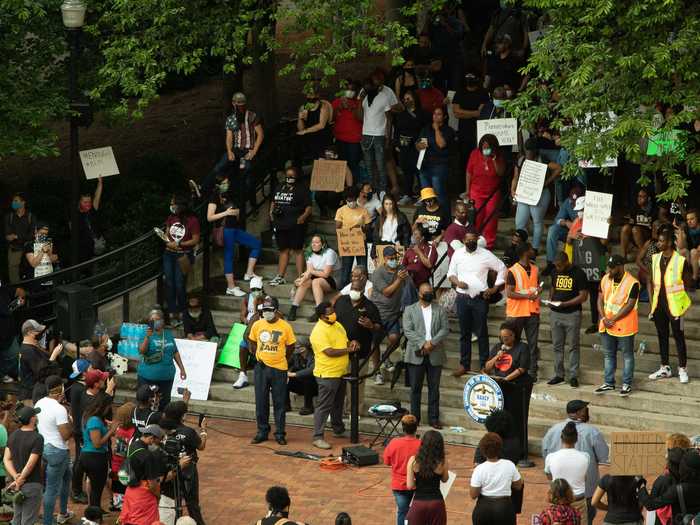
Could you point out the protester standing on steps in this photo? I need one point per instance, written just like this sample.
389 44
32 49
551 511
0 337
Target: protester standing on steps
426 327
562 222
431 216
590 440
91 241
468 273
670 278
396 455
464 217
272 341
347 128
407 127
568 292
290 211
314 125
619 322
19 230
436 140
321 262
331 347
390 226
523 302
226 213
351 216
572 465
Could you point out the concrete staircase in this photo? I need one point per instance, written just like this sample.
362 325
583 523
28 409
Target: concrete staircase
664 405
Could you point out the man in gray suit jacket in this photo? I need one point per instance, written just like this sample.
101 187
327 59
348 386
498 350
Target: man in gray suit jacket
426 327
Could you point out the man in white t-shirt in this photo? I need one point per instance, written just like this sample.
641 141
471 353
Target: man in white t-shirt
56 428
359 274
572 465
377 100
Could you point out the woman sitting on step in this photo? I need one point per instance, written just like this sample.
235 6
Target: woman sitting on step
321 262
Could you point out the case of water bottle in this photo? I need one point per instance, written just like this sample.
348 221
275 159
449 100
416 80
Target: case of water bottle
131 335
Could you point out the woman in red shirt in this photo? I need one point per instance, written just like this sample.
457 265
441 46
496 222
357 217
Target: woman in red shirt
485 169
347 129
420 257
397 454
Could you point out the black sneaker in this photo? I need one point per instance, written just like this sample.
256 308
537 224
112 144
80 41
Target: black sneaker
281 440
555 380
79 498
305 411
313 317
625 390
259 438
604 388
573 382
292 316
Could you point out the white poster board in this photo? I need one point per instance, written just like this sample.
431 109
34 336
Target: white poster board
99 162
505 130
421 156
531 182
445 486
596 214
452 119
607 163
198 360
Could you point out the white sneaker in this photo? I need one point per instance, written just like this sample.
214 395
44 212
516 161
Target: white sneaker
241 382
663 372
7 379
235 291
683 375
64 518
474 338
249 276
379 379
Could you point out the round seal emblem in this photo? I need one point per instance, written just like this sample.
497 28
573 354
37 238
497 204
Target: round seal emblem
265 336
482 395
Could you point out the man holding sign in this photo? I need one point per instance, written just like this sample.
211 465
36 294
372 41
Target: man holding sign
272 340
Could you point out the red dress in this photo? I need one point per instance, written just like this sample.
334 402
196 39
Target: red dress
484 190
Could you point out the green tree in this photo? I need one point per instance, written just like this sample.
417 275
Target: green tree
624 57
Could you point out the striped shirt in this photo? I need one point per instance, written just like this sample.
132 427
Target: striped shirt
244 134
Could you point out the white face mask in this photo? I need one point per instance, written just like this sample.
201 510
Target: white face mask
109 344
355 295
268 316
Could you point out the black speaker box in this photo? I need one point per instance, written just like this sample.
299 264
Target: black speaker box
360 455
75 313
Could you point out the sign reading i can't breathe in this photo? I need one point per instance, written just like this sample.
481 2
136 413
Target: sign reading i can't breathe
637 453
99 162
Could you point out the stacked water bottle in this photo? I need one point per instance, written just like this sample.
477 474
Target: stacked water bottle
131 335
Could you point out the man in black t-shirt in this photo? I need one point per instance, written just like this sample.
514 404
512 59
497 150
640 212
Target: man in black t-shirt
289 212
145 413
569 291
23 464
9 346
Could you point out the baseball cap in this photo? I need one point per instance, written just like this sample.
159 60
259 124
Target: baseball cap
616 260
153 430
580 203
146 392
389 251
256 283
270 303
79 366
95 376
24 414
31 325
522 234
575 405
238 98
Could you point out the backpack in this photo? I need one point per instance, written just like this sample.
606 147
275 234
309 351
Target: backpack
126 474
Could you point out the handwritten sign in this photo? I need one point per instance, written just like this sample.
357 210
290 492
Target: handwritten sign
596 214
380 253
99 162
637 453
198 360
351 241
328 175
531 182
505 130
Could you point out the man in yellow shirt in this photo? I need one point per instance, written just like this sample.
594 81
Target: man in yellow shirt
272 341
331 347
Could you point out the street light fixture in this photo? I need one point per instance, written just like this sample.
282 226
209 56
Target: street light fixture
73 14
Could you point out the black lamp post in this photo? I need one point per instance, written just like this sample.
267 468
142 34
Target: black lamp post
73 14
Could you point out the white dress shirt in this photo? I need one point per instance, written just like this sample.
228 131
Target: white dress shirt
427 312
473 269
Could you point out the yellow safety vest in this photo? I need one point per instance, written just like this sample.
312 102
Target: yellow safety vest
676 296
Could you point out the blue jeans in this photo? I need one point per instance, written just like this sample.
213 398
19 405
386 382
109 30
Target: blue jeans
403 501
537 212
58 478
351 152
270 381
435 176
472 315
175 281
611 345
233 236
373 153
555 234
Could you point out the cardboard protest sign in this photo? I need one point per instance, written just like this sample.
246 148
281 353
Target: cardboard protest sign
198 359
380 253
531 182
505 130
351 241
328 175
99 162
637 453
230 352
596 214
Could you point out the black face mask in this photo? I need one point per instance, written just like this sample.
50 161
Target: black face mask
428 297
369 195
471 246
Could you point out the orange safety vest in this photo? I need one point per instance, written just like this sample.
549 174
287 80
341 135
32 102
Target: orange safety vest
524 283
614 299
